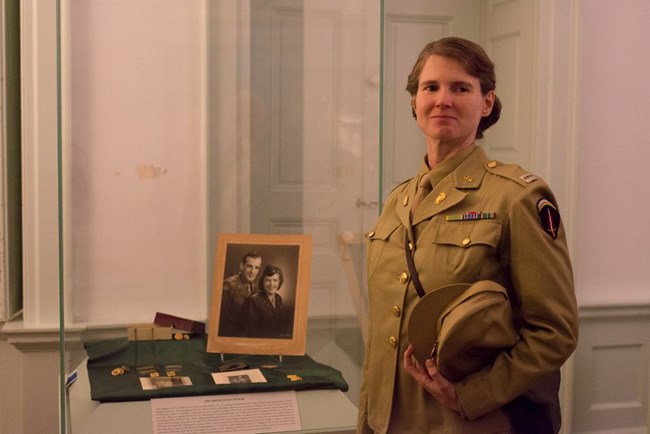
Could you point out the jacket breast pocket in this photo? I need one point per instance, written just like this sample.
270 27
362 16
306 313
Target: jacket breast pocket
465 246
378 240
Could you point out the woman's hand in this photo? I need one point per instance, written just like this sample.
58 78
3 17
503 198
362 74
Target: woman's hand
431 380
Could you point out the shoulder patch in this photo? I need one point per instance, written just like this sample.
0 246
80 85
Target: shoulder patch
549 217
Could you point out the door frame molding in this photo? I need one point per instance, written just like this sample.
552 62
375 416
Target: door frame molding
556 101
556 150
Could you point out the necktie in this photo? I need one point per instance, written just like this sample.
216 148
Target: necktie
424 188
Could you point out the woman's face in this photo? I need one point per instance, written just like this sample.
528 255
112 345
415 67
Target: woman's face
449 104
271 284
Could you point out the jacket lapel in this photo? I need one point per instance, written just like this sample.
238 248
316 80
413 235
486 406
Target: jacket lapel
403 205
452 189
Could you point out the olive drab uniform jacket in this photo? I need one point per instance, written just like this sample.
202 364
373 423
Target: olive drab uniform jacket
483 220
236 290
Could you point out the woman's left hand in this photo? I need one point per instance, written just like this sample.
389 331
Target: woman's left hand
431 380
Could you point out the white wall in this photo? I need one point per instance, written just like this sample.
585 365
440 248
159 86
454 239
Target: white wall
612 260
135 118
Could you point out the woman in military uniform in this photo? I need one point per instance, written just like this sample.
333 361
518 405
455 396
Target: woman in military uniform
265 314
478 220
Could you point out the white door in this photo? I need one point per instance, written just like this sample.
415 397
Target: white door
314 105
314 108
314 143
508 34
409 26
506 29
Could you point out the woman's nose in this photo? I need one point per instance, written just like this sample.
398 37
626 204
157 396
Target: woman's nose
443 98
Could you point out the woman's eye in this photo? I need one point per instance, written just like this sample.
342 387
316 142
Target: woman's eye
431 88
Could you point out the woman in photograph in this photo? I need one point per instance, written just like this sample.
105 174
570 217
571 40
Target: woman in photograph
465 219
264 312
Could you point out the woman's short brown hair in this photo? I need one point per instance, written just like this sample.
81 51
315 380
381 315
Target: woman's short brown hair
270 270
475 61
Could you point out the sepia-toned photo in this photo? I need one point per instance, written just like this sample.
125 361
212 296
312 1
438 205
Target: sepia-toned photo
239 377
259 294
152 383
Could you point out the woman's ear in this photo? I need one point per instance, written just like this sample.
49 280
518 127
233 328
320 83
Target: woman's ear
488 103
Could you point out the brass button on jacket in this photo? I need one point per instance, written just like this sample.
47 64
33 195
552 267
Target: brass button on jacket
404 277
392 341
397 311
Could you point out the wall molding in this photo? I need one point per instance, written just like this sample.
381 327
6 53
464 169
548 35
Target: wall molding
39 162
31 340
615 310
556 99
611 375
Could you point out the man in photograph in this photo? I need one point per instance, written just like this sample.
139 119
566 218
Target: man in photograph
236 289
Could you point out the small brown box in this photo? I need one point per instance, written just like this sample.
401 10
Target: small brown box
148 332
162 333
182 324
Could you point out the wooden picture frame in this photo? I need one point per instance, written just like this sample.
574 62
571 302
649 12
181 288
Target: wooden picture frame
242 317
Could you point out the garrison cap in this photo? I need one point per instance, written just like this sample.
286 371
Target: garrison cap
462 327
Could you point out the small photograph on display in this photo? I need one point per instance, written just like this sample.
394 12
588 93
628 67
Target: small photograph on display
152 383
239 377
260 293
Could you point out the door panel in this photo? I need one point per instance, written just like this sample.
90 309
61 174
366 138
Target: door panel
508 35
313 114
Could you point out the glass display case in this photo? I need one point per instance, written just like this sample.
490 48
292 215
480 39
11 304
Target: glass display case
186 119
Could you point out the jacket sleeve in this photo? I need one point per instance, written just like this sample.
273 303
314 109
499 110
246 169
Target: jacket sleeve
544 305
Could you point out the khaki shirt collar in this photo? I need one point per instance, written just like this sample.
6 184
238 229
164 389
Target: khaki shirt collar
472 159
461 172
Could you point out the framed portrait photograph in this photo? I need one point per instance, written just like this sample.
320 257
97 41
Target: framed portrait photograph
260 294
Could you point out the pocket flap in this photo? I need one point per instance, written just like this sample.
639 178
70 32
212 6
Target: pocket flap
466 234
383 230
